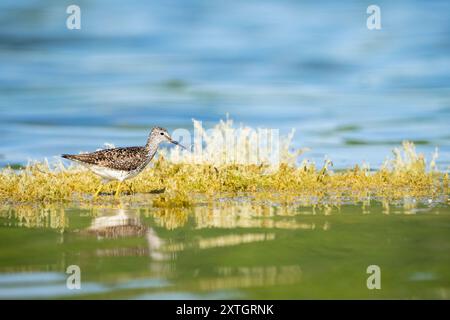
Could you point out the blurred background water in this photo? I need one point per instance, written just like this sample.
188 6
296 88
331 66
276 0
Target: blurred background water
351 93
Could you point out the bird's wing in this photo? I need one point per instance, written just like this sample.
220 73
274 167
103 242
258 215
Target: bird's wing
117 158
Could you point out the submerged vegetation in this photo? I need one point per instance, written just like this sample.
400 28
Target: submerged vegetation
176 178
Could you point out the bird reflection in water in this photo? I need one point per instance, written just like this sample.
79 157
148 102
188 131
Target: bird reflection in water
122 224
126 223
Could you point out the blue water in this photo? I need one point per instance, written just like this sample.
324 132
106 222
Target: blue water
352 94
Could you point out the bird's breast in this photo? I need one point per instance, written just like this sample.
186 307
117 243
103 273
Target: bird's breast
110 174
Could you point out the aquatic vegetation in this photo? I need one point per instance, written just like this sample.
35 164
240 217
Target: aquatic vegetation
176 176
179 199
36 216
228 144
115 220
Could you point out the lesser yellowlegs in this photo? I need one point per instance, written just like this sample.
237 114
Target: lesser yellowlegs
122 163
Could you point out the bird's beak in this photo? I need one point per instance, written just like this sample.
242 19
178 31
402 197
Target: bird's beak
176 143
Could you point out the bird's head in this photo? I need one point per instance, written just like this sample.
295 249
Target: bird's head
159 135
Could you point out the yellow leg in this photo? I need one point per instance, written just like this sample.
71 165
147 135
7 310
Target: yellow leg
118 189
98 190
130 187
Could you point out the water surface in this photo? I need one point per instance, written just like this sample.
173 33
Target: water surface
231 249
351 93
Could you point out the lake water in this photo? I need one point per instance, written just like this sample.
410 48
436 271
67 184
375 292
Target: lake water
230 250
351 94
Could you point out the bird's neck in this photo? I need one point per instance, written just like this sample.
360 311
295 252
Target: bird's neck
151 147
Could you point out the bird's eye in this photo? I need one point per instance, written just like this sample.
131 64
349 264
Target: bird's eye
162 133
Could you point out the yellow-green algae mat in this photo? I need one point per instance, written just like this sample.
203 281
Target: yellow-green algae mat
171 184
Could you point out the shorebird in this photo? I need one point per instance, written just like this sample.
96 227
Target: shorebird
122 163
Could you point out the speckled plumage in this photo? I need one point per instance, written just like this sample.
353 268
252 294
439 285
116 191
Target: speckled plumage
124 159
122 163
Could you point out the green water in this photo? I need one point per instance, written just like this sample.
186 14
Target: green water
229 249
